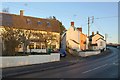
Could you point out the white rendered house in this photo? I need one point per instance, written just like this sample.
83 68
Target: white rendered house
73 37
101 43
98 41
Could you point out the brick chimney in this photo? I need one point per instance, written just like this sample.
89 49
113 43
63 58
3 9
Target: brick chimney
21 12
92 33
72 24
80 29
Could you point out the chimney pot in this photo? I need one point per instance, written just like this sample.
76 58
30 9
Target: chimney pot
92 33
72 23
97 32
21 12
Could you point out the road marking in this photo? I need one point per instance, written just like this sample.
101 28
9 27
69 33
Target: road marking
94 69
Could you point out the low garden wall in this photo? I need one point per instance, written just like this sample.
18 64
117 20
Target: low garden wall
88 53
12 61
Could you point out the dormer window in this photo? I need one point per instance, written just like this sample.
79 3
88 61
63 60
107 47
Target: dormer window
39 22
28 21
48 23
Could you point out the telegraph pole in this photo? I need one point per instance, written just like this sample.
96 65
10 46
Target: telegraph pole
89 30
89 24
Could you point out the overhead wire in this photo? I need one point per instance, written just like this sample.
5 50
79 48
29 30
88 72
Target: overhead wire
106 17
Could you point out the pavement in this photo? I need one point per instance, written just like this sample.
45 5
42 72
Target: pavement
67 61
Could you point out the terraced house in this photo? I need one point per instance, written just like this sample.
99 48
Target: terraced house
37 27
73 37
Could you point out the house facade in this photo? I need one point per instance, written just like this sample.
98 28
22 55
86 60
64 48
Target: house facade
32 25
101 43
73 37
83 40
97 41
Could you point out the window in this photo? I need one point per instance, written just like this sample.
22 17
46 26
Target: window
39 22
101 43
43 46
38 47
28 21
48 23
31 46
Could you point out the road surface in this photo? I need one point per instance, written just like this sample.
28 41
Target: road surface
93 67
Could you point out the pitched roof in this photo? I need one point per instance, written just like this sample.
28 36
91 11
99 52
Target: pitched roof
74 41
27 22
84 34
96 34
100 38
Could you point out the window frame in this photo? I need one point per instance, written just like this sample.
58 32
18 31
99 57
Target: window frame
28 21
48 24
39 22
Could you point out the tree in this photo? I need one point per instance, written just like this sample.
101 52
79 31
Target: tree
46 38
10 39
62 27
54 17
5 10
25 40
49 38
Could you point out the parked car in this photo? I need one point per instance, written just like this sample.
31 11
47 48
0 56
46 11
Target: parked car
62 52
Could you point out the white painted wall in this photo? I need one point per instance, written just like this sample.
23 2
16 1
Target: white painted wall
87 42
12 61
99 44
89 53
73 34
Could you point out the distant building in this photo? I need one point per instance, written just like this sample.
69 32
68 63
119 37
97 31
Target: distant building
33 24
101 43
97 41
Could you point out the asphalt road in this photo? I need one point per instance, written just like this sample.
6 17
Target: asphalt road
101 67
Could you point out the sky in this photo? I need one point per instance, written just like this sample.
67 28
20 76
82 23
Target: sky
105 14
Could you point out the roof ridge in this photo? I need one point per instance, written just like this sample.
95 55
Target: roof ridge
100 38
27 16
